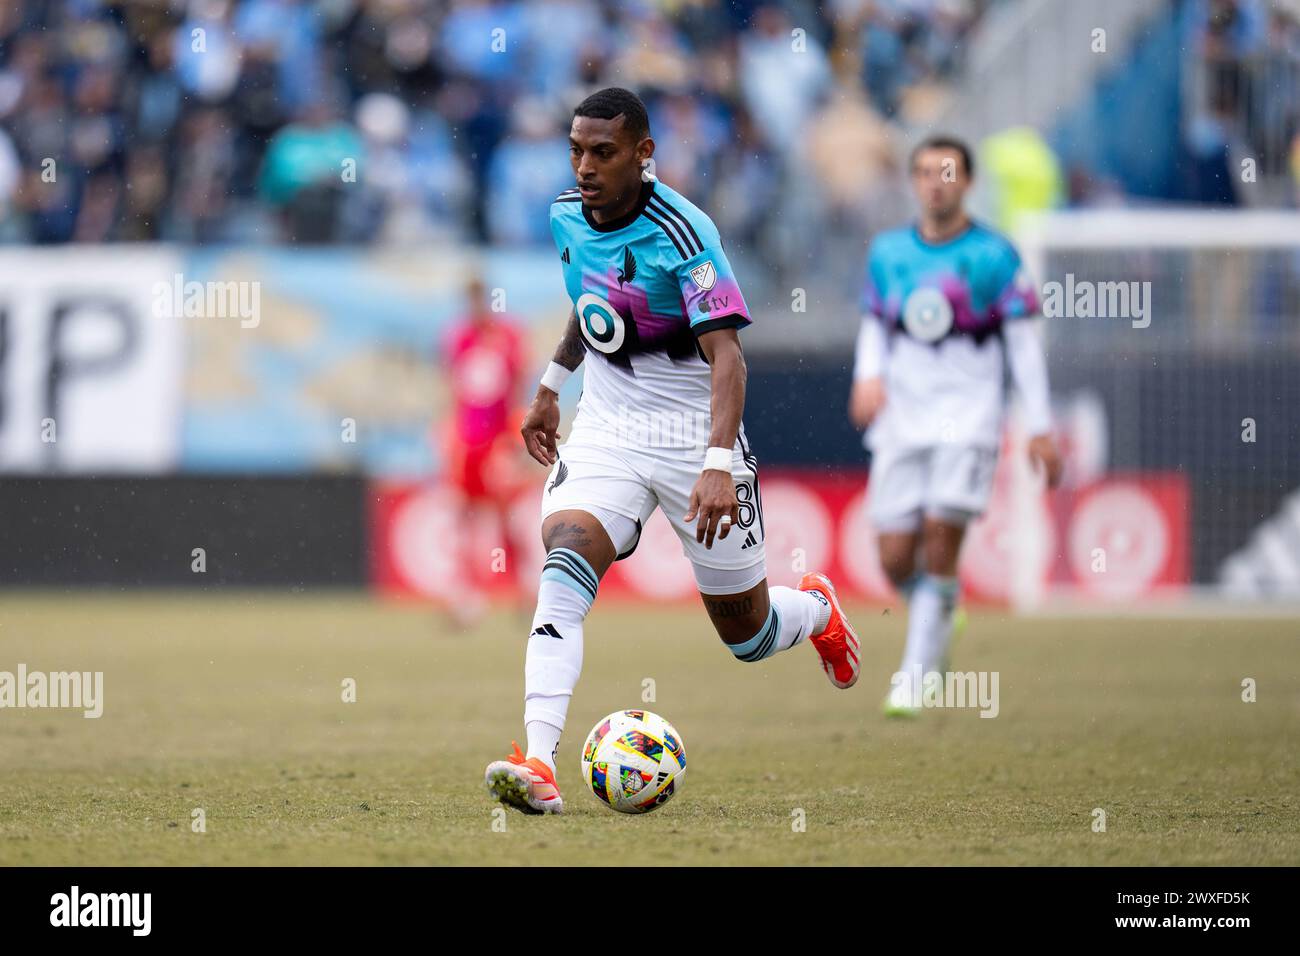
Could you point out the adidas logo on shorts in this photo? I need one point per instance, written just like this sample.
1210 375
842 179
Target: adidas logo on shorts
750 541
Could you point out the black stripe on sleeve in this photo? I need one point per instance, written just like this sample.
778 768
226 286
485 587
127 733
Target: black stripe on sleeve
668 232
678 224
668 207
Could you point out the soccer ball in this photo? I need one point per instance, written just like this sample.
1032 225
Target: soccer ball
634 761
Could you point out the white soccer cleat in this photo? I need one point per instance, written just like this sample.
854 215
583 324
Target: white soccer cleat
528 785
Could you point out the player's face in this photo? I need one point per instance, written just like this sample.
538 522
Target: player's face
940 182
606 161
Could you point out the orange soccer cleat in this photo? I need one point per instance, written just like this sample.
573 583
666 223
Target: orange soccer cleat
837 644
525 784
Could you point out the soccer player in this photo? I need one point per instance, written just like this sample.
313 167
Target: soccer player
946 308
485 355
656 316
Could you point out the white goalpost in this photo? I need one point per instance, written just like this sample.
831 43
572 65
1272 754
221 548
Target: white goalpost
1181 331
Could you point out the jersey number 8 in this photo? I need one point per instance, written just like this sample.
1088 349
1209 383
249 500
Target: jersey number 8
745 511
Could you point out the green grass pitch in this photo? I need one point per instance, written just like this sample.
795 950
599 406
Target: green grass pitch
232 704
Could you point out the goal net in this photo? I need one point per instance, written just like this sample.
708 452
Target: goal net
1173 345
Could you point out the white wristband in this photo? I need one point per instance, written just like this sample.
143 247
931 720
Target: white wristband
718 459
555 377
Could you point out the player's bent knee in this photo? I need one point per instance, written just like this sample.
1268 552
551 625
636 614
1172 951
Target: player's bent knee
581 533
900 570
898 558
943 540
762 643
738 617
571 570
736 631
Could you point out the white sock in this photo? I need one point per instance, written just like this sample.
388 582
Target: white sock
543 741
792 617
554 657
929 625
823 616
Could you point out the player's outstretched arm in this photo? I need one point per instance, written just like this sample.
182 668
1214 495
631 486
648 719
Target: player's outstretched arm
542 422
867 397
714 495
1029 373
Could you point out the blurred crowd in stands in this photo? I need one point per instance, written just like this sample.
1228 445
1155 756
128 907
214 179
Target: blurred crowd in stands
408 120
1244 98
416 120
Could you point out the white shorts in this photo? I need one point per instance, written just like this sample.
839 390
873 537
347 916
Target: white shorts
631 483
949 483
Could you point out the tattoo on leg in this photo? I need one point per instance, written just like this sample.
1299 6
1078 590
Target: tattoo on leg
571 536
729 608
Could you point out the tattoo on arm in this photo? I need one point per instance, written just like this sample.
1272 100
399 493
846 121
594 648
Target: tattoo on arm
570 352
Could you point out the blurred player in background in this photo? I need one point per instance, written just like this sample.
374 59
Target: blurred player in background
946 311
657 312
485 356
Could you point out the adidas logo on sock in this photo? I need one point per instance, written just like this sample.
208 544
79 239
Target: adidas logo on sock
750 541
547 630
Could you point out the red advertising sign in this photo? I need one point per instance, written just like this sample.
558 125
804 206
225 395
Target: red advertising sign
1117 539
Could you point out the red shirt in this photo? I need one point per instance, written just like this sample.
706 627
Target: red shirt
486 361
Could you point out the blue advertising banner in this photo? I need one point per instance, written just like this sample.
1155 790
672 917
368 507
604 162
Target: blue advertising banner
329 360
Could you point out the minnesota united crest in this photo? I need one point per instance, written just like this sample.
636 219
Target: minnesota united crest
628 272
561 473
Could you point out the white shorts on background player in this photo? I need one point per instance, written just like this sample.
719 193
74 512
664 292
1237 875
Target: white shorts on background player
935 442
598 475
950 483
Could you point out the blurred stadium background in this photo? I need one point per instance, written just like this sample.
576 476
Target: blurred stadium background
349 165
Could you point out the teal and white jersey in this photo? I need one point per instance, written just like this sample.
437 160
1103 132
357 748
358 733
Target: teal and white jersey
944 306
644 287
